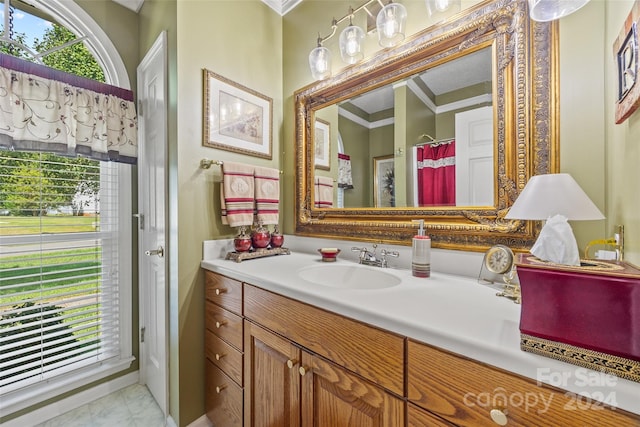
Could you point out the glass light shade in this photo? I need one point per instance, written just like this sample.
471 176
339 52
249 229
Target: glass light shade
351 48
320 63
548 195
390 24
436 7
548 10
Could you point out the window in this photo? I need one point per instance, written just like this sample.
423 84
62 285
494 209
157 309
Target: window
65 268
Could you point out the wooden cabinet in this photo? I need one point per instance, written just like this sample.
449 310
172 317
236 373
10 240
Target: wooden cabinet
224 350
272 361
333 396
289 385
273 382
468 393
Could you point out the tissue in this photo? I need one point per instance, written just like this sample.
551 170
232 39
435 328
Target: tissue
556 243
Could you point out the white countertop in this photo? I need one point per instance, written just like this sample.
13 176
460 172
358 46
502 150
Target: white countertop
452 312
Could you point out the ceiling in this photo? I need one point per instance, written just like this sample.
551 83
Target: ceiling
467 71
280 6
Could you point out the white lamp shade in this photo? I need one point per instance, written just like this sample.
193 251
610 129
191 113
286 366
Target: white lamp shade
548 10
390 24
320 63
351 39
553 194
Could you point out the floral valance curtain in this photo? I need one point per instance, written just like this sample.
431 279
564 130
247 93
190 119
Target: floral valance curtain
49 110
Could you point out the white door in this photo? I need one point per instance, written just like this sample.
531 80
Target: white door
474 157
152 150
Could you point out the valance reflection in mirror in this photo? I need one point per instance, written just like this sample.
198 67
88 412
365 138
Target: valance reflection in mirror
437 126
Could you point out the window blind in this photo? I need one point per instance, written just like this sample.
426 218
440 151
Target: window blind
59 291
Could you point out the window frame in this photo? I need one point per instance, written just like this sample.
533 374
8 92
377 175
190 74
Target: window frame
74 18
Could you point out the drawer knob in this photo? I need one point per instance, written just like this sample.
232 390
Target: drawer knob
291 363
303 370
499 417
219 356
220 323
220 388
220 291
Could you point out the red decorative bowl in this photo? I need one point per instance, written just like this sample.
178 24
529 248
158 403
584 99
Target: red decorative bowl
329 254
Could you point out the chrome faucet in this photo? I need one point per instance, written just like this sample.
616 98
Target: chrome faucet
370 258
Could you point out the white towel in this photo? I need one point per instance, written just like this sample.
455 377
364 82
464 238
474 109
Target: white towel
345 180
323 192
267 193
237 194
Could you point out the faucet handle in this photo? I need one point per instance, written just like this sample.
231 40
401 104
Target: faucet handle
357 249
394 254
385 253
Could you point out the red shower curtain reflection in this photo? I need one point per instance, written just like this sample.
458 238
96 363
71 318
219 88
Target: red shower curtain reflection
437 174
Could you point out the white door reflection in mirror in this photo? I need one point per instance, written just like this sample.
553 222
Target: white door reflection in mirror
474 157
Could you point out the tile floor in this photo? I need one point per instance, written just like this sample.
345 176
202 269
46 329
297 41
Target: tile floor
132 406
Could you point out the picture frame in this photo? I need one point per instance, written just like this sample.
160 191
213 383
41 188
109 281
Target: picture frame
384 181
236 118
322 144
625 49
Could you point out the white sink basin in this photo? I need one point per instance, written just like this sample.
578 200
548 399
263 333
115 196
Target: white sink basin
348 276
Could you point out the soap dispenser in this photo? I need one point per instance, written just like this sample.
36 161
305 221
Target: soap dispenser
420 252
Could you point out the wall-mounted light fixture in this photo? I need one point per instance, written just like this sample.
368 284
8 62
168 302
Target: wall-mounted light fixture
390 23
549 10
441 9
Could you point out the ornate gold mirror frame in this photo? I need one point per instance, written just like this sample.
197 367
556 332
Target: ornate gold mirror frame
525 128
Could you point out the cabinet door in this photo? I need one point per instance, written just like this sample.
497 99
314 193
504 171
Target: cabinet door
331 396
272 381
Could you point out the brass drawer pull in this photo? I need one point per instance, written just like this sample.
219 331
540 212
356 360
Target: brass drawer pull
303 370
291 363
219 356
499 416
220 323
220 388
220 291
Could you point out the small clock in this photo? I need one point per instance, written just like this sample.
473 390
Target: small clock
498 262
499 259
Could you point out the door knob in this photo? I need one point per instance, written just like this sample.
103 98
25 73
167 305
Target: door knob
159 252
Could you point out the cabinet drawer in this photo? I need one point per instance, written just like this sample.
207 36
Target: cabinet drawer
223 291
418 417
223 398
224 324
223 356
465 392
374 354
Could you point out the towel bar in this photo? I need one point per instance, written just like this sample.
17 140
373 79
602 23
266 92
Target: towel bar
206 164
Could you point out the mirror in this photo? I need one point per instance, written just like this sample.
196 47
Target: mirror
437 108
387 111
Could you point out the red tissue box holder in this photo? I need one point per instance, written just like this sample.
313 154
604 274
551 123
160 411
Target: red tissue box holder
587 315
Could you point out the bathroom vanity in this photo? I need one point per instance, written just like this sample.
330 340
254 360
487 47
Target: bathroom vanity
284 351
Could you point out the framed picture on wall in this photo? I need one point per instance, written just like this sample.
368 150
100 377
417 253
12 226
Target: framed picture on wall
383 182
322 144
236 118
625 49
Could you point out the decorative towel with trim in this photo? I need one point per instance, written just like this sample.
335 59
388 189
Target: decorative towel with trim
237 194
267 182
345 180
323 192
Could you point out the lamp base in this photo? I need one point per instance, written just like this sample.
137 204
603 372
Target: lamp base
614 365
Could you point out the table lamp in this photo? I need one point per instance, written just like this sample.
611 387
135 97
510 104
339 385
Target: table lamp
554 198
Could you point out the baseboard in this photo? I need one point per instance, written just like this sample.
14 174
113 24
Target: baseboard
67 404
203 421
